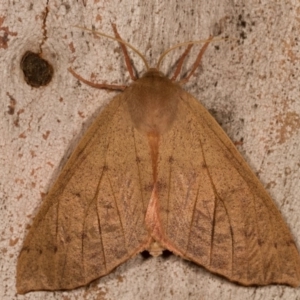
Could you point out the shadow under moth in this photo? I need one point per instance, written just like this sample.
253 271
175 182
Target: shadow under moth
155 171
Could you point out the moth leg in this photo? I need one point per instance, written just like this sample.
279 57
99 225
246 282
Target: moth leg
180 62
197 61
125 52
238 143
98 85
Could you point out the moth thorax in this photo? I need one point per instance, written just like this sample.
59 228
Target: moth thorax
152 102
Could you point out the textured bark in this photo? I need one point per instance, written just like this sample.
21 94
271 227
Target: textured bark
249 84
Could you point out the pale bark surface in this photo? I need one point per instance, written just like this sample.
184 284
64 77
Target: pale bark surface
250 85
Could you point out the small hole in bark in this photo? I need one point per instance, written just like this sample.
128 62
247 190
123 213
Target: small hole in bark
37 71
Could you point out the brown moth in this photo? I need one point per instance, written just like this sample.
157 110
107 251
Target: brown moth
155 171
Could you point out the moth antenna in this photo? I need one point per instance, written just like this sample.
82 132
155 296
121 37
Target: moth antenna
98 85
125 52
180 62
120 41
189 45
197 61
175 47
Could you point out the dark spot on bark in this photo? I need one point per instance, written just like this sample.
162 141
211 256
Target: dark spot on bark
166 253
67 6
275 245
12 104
259 242
145 254
138 160
241 21
171 159
11 110
243 35
37 71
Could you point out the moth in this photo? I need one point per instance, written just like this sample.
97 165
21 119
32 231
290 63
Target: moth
155 171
